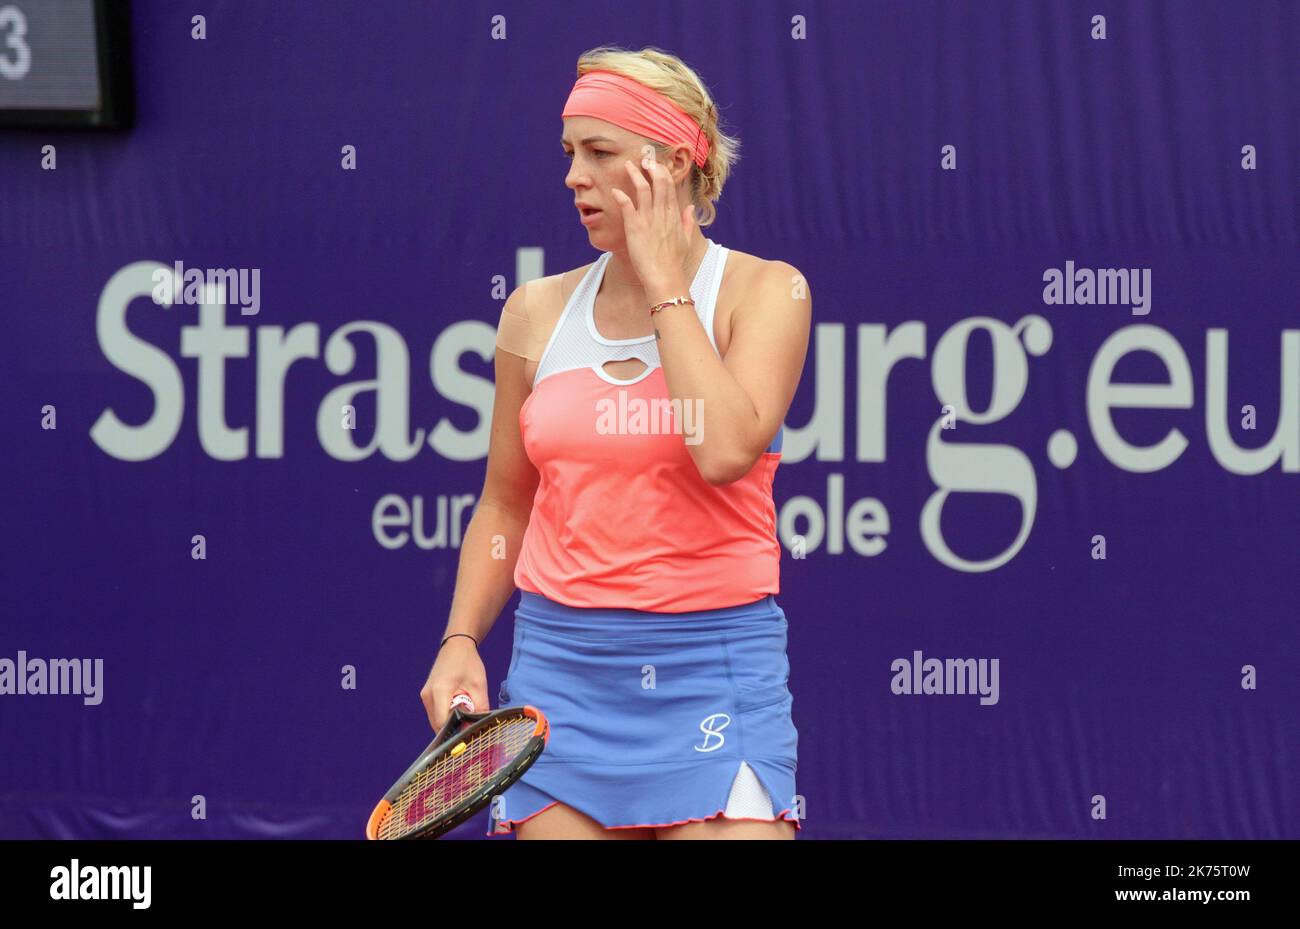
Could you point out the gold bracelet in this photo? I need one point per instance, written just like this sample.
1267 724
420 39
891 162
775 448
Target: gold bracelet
673 302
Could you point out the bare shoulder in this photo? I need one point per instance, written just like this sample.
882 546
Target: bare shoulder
747 277
741 267
764 272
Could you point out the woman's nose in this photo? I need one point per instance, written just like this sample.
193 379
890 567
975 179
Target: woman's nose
575 174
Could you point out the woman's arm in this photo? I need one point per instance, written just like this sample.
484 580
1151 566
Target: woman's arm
485 574
744 397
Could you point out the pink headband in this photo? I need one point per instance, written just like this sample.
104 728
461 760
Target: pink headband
633 106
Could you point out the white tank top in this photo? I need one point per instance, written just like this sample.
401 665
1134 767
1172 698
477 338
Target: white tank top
576 343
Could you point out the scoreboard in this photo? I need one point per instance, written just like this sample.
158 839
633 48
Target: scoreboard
65 64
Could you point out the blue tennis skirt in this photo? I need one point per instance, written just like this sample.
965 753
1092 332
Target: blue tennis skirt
651 714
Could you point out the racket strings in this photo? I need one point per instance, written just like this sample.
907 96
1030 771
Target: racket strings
451 779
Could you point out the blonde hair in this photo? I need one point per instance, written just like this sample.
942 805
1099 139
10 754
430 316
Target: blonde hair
672 77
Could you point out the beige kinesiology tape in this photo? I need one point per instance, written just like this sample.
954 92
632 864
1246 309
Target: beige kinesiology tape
517 334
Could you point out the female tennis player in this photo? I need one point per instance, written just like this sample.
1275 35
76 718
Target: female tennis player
635 436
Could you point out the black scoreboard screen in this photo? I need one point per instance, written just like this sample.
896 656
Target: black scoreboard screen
65 64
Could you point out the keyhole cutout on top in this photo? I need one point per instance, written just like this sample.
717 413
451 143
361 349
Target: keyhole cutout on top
625 370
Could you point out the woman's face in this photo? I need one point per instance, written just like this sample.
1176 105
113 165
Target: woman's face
598 152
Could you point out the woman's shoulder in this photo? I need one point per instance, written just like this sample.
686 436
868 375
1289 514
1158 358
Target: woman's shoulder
750 269
745 279
549 295
531 313
747 276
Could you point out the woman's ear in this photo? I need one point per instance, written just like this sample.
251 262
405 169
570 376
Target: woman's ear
681 165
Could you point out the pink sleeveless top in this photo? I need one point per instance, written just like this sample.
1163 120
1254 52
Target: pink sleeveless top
622 517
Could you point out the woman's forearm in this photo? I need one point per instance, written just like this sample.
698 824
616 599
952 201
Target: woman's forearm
485 574
729 432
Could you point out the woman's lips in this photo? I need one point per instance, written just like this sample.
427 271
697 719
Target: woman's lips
590 216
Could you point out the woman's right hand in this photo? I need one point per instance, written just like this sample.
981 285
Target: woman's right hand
458 667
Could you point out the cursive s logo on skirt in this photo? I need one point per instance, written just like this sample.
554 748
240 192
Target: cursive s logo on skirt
709 728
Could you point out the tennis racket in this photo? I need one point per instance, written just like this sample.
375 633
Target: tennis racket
472 758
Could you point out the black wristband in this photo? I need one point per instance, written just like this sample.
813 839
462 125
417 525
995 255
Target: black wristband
465 634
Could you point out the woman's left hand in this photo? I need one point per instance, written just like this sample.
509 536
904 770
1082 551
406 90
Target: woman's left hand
658 232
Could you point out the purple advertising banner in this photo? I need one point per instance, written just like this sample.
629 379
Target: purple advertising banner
1039 495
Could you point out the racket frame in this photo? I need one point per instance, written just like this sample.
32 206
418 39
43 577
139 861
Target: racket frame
458 728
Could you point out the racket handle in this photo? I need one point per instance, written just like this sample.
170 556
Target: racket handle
462 698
